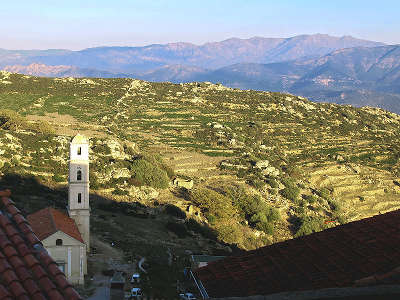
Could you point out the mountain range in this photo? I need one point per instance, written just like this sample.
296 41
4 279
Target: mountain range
321 67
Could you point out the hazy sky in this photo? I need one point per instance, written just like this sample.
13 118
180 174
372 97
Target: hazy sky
78 24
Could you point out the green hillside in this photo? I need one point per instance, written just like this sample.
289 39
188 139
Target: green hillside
265 166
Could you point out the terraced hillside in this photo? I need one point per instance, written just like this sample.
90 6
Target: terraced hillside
265 166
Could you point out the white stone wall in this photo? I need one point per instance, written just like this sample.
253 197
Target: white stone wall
74 151
72 253
79 211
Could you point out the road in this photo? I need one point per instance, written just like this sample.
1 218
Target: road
102 291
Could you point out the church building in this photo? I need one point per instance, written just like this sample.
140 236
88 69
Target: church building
66 237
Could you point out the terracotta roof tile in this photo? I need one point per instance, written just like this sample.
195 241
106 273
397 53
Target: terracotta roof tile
48 221
357 253
26 269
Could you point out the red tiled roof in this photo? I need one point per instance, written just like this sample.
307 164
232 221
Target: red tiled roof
26 269
48 221
357 253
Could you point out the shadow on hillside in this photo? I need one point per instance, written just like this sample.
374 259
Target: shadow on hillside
31 195
135 229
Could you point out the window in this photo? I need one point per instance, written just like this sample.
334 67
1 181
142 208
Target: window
79 175
61 265
58 242
79 150
79 197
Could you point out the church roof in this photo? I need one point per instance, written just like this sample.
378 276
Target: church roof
27 272
79 139
364 252
48 221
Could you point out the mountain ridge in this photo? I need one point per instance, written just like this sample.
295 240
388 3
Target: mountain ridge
211 55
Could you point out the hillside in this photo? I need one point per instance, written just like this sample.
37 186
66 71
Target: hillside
265 166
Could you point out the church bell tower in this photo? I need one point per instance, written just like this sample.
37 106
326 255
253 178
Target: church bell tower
78 186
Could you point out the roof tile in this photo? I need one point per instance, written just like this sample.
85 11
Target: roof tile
4 293
71 293
17 289
25 266
38 271
48 221
337 257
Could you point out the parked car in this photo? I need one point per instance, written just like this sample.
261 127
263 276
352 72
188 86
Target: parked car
187 296
136 293
135 278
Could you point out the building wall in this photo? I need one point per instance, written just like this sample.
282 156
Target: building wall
78 189
82 220
72 253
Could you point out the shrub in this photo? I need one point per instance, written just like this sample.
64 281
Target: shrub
149 173
309 225
177 228
175 211
311 199
257 183
203 229
119 191
58 178
324 193
11 120
134 181
290 192
268 228
43 127
212 203
334 205
272 182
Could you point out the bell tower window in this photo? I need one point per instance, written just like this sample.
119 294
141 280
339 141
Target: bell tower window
79 197
59 242
79 150
79 175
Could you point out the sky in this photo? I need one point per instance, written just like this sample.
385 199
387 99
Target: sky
79 24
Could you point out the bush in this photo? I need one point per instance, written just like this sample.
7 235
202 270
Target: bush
212 203
119 191
272 182
11 120
43 127
177 228
311 199
309 225
149 173
58 178
175 211
135 182
292 193
257 183
268 228
324 193
203 229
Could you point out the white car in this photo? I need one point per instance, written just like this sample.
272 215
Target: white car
136 293
187 296
135 278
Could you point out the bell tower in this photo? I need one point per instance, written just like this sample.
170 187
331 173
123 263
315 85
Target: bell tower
78 186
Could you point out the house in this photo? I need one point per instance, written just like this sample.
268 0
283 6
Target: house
349 259
27 272
61 237
66 236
